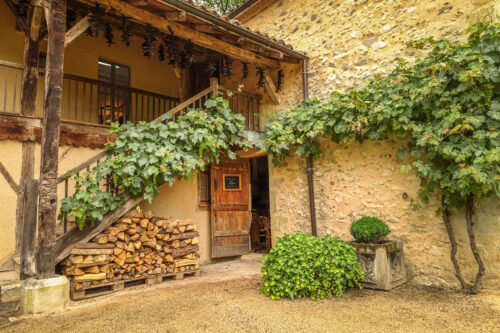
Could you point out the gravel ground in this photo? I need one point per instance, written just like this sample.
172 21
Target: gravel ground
219 302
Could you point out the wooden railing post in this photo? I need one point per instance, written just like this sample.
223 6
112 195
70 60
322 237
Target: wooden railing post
28 246
214 84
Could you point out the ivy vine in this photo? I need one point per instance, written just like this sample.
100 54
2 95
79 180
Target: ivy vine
446 107
147 155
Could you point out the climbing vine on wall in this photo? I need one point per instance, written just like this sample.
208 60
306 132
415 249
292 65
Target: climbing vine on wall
148 155
446 107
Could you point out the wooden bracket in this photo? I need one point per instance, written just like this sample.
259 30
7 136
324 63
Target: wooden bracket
8 178
270 88
78 29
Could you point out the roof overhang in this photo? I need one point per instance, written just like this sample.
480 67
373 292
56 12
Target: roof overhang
226 24
249 9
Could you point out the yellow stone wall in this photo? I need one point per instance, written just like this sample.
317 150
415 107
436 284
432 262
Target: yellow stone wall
347 42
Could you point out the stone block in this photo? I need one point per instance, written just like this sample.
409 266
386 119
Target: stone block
383 264
46 295
10 292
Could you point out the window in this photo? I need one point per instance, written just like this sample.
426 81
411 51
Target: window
113 97
204 189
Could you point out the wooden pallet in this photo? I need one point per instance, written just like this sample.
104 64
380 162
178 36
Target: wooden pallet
111 287
176 276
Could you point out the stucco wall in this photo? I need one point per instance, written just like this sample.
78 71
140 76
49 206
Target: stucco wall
10 156
348 41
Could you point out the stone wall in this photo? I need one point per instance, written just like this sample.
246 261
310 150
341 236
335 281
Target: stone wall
347 42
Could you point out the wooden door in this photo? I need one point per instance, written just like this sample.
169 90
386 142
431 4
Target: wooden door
230 208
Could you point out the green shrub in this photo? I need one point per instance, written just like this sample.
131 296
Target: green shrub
369 229
302 265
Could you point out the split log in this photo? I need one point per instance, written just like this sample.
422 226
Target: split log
186 235
176 253
93 246
91 251
100 239
90 277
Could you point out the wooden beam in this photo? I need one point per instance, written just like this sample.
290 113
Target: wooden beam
138 3
270 88
28 248
209 42
8 178
56 24
29 89
75 31
206 28
175 16
21 22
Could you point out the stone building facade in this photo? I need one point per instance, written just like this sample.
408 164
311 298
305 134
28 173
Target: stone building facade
348 41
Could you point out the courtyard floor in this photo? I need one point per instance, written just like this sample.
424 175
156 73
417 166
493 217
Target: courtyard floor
226 298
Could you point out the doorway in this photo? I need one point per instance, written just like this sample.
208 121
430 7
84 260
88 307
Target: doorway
260 228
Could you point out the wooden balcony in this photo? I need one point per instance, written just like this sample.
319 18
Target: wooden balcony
94 101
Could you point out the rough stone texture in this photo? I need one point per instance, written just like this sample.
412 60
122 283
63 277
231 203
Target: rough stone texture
46 295
383 264
349 41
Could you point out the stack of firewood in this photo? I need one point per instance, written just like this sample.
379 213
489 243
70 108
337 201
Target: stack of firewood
136 246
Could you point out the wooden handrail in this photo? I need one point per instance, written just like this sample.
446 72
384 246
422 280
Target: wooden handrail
82 166
11 64
185 104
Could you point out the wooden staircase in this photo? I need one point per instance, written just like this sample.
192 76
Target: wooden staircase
66 242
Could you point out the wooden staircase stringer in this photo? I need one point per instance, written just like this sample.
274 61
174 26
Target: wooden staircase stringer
66 242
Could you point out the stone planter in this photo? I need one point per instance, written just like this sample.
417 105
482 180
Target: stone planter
383 264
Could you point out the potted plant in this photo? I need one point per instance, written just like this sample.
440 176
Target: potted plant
381 259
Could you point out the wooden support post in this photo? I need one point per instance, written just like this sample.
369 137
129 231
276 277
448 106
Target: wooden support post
270 88
56 26
28 248
78 29
214 83
28 108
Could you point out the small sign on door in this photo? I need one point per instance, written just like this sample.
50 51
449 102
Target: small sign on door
232 182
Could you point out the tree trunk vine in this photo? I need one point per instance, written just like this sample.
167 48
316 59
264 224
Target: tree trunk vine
469 211
451 235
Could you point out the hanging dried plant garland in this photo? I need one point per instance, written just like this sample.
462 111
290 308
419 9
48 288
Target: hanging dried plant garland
212 64
21 8
161 52
96 21
227 69
70 18
186 56
108 34
125 36
150 45
280 80
171 48
245 70
260 74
